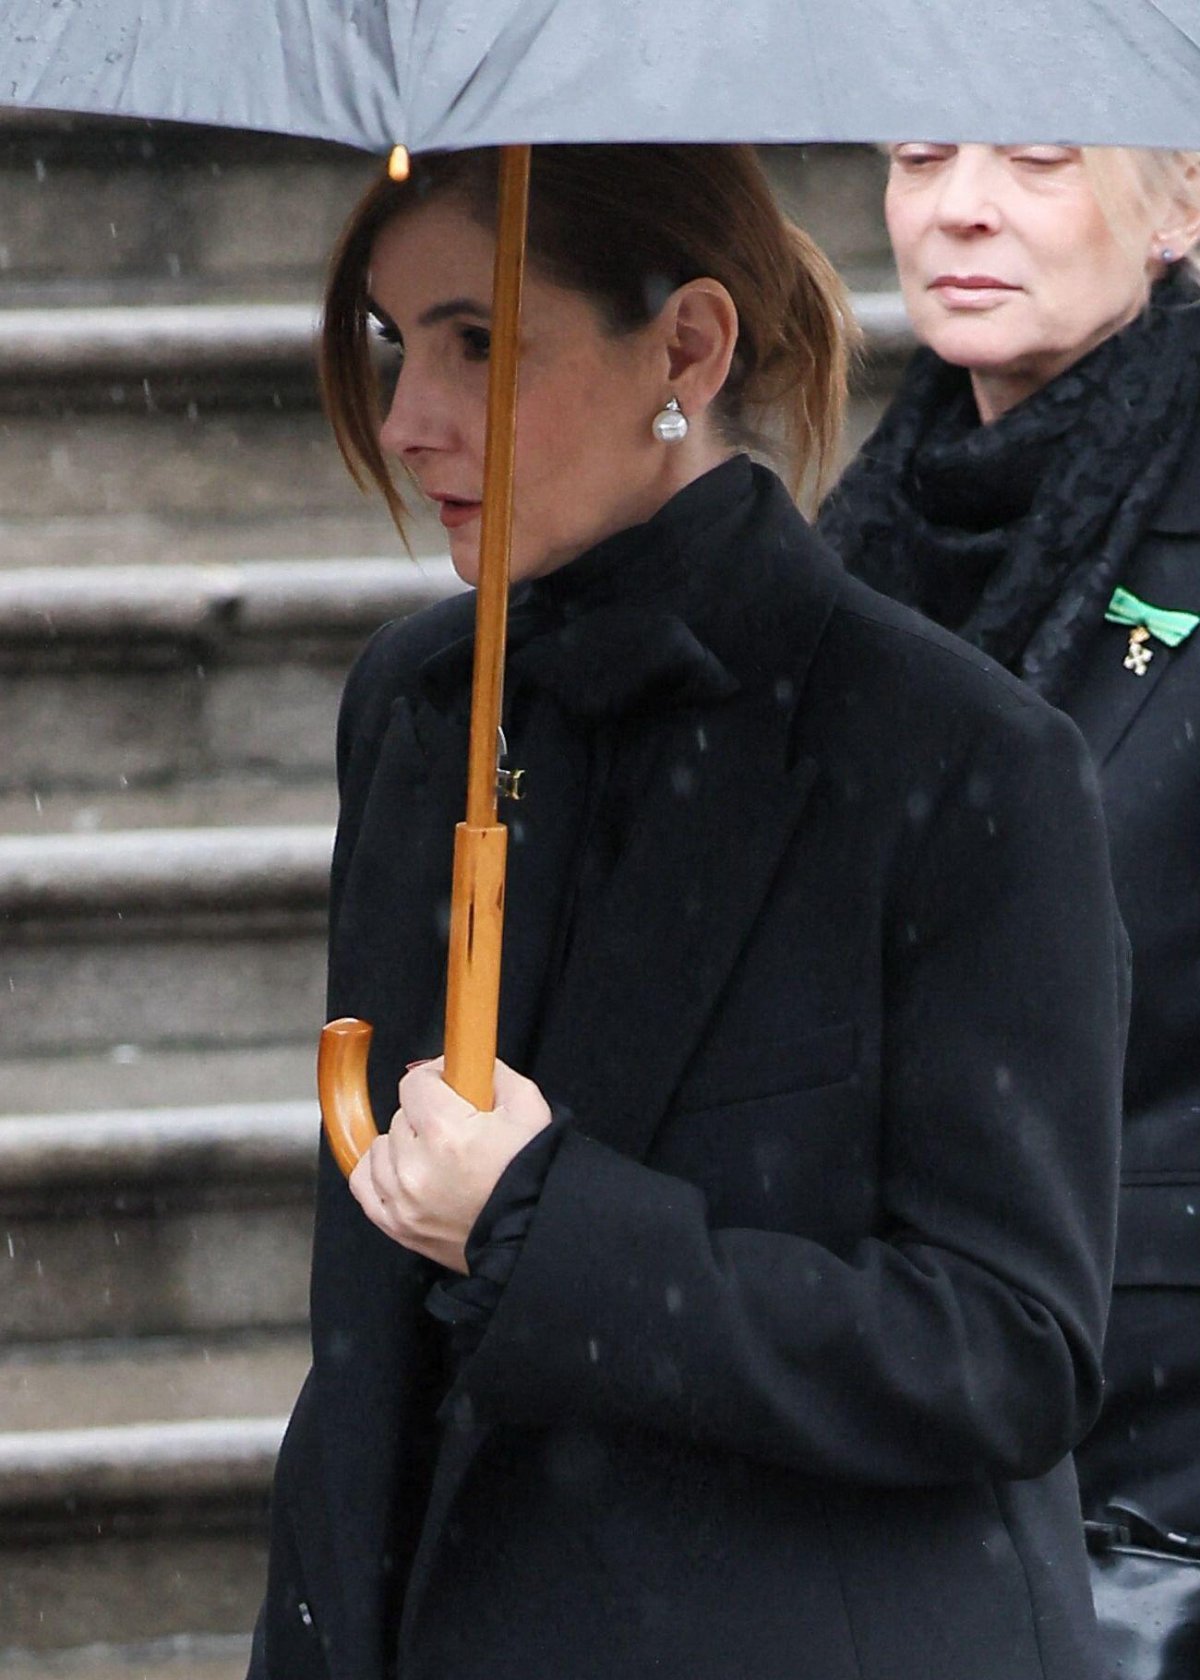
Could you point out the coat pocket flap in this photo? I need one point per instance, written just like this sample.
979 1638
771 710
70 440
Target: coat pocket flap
1158 1236
721 1078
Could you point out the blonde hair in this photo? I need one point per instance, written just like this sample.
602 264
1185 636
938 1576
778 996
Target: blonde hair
624 225
1133 184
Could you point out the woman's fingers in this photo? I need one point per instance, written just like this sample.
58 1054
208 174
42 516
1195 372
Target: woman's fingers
425 1181
374 1186
426 1098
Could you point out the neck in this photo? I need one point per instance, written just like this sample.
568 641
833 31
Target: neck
996 394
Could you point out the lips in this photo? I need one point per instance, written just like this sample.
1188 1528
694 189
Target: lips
454 511
971 283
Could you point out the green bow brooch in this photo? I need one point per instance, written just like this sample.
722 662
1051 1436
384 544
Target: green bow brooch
1146 624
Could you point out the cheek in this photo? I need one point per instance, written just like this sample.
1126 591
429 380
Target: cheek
901 217
1092 285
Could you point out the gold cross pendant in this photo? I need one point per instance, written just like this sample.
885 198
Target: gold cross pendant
1139 655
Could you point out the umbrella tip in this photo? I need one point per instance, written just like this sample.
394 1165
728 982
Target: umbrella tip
398 163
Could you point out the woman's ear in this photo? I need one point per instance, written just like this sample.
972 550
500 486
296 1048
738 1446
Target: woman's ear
701 326
1181 229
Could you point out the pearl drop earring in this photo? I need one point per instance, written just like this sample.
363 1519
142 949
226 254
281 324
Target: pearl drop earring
670 423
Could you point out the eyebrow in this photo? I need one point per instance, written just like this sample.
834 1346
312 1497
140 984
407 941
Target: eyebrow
454 306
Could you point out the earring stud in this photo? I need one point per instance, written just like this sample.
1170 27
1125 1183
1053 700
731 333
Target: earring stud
670 423
1167 255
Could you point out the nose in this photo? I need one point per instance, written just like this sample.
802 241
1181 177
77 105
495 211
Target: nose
968 192
419 418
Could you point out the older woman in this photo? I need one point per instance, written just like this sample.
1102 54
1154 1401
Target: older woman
1035 486
751 1332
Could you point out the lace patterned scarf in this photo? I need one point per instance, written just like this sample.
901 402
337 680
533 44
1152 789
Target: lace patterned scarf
1015 534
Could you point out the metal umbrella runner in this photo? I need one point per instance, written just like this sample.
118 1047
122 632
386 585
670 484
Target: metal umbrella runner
427 74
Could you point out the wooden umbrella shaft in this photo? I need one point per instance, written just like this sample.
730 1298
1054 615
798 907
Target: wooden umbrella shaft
477 900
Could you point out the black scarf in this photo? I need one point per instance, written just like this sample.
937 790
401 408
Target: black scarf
1015 534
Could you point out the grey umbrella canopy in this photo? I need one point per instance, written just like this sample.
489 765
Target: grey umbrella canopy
452 73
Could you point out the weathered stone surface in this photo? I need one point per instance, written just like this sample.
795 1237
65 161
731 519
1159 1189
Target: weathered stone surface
184 1657
143 1582
136 1076
150 1380
160 1265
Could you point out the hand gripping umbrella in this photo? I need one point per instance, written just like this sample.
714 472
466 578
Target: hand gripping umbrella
426 74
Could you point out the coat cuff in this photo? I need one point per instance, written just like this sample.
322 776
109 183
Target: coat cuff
465 1304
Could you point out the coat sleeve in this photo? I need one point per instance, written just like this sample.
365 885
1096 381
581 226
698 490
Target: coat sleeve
962 1336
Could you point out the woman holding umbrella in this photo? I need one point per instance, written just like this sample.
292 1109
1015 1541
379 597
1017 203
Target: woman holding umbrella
1035 486
750 1332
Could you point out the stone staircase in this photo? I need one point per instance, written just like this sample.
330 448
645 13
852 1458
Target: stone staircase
185 574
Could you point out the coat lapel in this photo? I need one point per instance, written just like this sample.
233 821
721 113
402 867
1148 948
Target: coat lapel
723 803
1108 699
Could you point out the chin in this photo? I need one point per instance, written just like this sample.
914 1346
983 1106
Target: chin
464 554
970 345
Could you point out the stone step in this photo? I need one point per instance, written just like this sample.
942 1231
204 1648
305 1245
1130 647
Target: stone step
93 203
151 1223
139 1076
241 354
84 1386
185 939
133 678
187 1657
88 205
133 1533
174 438
150 536
245 800
197 471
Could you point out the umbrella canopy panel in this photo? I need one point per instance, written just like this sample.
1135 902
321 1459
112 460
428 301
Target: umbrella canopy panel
455 73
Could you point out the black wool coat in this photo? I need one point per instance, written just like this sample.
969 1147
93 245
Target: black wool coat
810 1312
1144 734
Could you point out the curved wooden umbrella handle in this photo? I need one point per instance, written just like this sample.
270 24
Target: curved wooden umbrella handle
472 1002
342 1088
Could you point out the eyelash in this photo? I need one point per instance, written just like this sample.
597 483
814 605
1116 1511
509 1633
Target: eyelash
386 331
476 341
921 160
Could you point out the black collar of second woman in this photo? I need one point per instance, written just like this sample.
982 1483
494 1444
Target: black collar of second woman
611 632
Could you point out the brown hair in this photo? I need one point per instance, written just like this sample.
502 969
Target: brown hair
626 225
